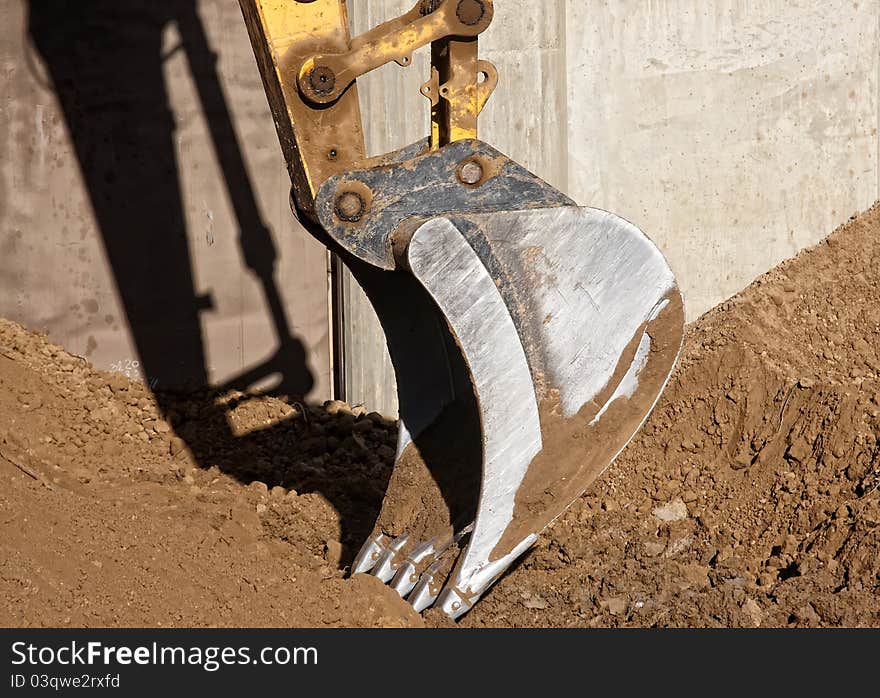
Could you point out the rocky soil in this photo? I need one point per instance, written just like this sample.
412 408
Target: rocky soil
751 497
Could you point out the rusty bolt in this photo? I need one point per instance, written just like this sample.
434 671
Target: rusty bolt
470 12
470 172
429 6
350 206
322 80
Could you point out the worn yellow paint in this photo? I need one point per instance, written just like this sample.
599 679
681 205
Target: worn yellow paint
291 39
317 143
457 95
394 40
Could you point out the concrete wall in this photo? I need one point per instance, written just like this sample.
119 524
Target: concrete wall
144 218
734 133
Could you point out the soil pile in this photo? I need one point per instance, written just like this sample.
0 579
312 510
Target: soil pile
109 516
751 497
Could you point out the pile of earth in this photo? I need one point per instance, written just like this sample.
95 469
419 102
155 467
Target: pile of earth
121 508
751 497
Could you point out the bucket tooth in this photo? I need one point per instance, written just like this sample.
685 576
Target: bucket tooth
431 581
386 567
455 603
368 555
407 575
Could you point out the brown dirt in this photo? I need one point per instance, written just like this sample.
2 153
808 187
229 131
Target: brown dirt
107 520
751 497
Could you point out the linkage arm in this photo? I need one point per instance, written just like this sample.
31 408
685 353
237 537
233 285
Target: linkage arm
323 78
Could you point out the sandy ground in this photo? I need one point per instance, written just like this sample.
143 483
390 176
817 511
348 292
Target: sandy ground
751 497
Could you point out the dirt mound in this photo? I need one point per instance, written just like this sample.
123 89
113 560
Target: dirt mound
227 511
751 497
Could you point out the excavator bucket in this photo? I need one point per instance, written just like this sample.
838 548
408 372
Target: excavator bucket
530 337
563 325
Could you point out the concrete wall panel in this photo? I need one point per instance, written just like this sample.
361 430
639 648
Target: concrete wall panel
734 133
143 196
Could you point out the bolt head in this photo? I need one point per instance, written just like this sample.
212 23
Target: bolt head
350 206
426 7
470 172
322 80
470 12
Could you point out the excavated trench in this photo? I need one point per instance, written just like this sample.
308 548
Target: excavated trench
751 497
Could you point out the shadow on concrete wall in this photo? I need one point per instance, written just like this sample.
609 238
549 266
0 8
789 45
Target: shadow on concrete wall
105 60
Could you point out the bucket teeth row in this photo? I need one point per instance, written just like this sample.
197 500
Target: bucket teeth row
418 576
